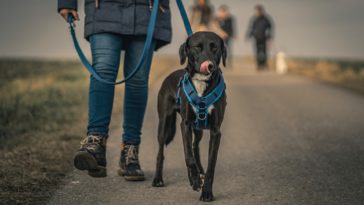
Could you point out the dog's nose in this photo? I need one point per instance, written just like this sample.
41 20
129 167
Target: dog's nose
210 66
206 67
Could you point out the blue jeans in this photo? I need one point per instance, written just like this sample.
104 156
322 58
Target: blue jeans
106 50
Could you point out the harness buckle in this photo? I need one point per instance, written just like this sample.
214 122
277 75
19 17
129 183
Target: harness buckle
202 116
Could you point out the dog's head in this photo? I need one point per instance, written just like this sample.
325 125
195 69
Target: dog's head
204 51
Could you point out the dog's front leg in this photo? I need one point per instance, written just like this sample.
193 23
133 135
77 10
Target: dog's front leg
193 174
215 136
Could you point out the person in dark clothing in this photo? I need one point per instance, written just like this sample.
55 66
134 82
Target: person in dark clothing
202 18
227 23
261 29
112 27
204 10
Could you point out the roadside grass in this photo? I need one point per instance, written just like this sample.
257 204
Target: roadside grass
43 115
348 74
42 118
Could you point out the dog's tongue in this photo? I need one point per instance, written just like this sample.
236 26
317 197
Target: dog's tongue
204 68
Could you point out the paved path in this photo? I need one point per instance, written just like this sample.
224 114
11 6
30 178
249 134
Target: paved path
286 140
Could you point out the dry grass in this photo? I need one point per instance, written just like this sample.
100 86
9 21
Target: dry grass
43 115
40 104
348 74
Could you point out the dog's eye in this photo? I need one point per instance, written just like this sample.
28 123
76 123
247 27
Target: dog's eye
213 46
198 47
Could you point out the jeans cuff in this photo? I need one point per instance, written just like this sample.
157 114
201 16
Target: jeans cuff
103 135
131 142
126 143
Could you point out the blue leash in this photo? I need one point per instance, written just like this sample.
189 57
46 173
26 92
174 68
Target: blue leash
147 46
184 16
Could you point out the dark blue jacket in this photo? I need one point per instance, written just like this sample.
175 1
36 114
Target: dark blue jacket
261 28
125 17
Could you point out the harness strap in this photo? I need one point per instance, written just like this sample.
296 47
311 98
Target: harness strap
147 46
178 95
201 104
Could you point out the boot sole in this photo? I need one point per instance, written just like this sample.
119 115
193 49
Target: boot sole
130 178
85 161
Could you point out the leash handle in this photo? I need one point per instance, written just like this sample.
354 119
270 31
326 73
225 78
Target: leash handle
71 19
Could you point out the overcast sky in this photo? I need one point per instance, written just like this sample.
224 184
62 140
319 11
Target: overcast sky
309 28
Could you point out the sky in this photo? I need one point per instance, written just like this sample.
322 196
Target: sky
304 28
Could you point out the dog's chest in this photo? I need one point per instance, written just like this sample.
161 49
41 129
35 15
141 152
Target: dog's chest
200 85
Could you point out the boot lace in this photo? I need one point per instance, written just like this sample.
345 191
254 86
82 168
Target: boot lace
132 155
91 142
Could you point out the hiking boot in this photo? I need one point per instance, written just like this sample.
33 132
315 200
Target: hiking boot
92 156
129 163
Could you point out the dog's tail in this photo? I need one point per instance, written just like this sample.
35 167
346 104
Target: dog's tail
170 128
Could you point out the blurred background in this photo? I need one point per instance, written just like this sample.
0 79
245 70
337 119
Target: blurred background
44 90
326 28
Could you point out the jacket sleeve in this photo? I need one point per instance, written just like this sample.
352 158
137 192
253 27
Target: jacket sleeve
67 4
270 28
251 28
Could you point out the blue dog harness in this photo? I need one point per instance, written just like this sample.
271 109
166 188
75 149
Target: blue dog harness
202 104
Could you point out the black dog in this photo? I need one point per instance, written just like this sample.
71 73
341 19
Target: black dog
204 51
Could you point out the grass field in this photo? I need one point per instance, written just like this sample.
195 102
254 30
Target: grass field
42 108
344 73
43 114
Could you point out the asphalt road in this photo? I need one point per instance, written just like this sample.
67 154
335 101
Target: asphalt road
285 140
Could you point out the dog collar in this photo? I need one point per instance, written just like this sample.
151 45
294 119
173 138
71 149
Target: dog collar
200 104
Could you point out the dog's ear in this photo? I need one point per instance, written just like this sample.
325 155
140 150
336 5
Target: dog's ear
183 53
223 53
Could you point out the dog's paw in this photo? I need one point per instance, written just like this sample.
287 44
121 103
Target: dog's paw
158 182
206 196
196 180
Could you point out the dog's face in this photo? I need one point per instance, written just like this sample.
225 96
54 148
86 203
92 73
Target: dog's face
204 51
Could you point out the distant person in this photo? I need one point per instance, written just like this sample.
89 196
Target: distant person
261 29
227 23
202 18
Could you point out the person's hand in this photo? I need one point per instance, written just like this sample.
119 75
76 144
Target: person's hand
65 12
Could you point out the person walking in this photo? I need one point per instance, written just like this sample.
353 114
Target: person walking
261 29
110 27
227 23
202 18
